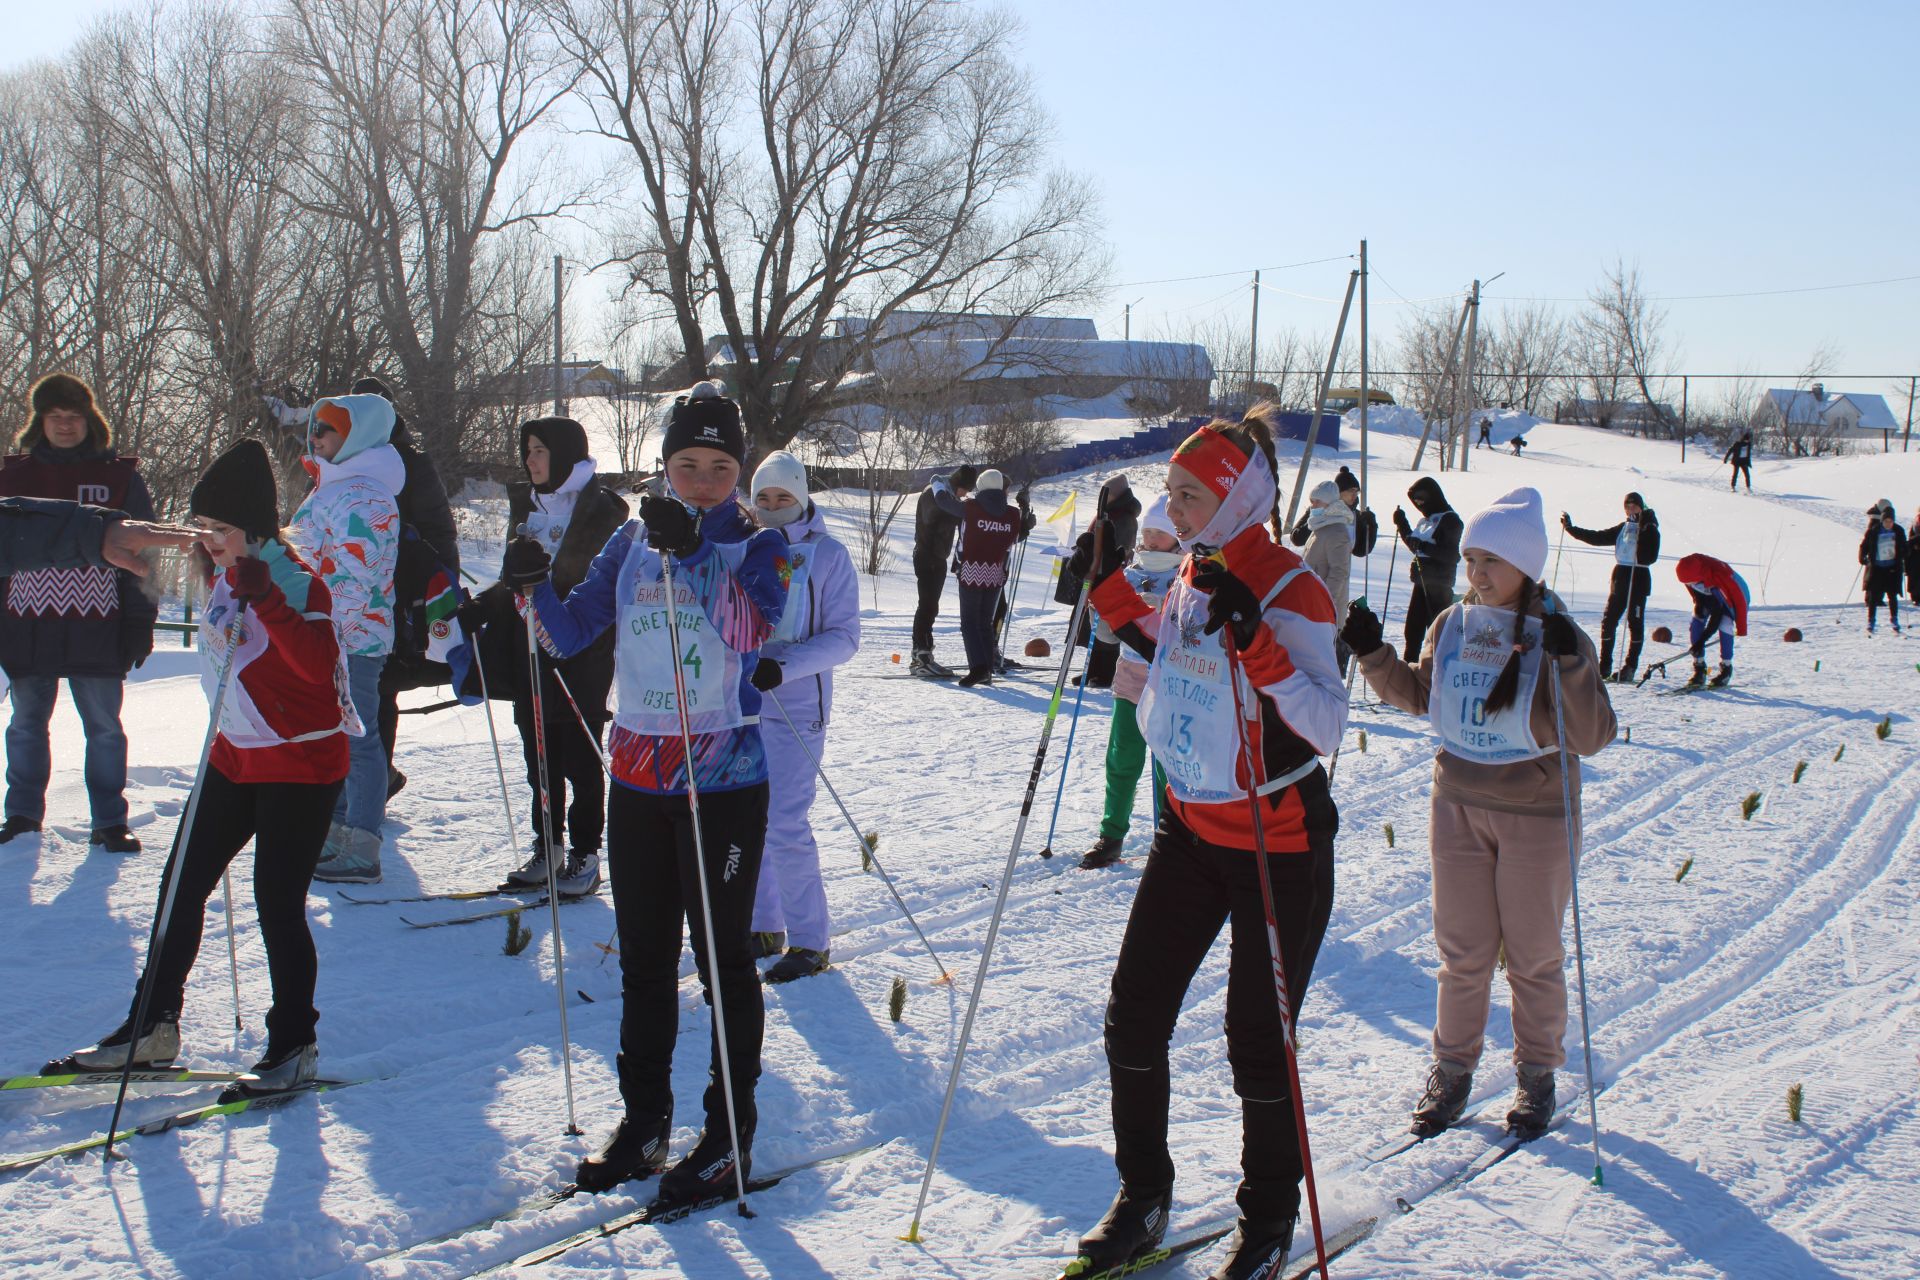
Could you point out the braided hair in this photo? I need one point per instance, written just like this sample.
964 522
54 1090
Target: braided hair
1507 687
1259 428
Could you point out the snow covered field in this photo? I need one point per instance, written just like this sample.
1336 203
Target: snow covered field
1787 955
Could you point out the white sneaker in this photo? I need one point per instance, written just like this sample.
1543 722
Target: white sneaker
281 1070
158 1048
533 872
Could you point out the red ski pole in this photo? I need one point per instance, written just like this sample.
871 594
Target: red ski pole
1250 757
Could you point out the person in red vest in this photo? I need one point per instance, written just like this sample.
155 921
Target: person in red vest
989 526
88 626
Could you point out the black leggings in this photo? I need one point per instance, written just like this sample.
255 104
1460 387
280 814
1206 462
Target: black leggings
1738 469
1627 597
1189 889
931 579
287 822
1431 595
573 760
651 859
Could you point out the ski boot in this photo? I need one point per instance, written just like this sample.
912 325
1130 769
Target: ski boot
977 677
1699 677
1624 675
1135 1224
1105 852
158 1047
799 962
115 839
531 874
1258 1252
579 875
279 1069
706 1171
1533 1103
636 1149
924 666
1722 677
768 944
1445 1098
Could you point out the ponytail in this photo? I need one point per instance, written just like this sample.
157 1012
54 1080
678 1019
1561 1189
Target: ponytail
1259 429
1507 687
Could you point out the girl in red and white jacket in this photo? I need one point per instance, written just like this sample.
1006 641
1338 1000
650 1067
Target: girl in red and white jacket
272 775
1200 871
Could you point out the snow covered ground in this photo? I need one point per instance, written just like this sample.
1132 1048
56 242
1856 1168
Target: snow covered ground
1787 955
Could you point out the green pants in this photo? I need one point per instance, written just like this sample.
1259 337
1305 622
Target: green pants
1126 756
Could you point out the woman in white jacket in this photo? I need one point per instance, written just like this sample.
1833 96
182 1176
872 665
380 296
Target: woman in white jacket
819 630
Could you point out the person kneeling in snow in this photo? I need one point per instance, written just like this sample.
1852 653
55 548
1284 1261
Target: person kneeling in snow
819 629
271 776
1200 870
1501 876
1719 607
729 586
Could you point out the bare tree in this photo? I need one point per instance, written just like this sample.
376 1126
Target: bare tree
1167 378
1017 437
803 160
1628 332
1521 357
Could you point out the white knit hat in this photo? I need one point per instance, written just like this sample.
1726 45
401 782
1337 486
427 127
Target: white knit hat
1513 528
991 479
781 470
1156 518
1325 492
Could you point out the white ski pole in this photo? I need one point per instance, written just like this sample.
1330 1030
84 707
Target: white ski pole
706 894
157 938
499 766
1579 949
867 851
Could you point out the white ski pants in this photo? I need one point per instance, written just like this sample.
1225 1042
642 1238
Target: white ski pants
790 896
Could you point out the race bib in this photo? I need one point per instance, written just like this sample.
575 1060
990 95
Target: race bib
800 561
1473 649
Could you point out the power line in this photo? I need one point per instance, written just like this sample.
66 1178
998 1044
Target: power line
1222 275
1709 297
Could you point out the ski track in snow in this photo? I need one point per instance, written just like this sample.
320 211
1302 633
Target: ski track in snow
1788 954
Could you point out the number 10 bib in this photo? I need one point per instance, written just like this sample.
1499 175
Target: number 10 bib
1474 646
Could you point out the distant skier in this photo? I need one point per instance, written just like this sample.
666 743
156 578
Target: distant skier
1501 879
1435 543
1486 432
1883 552
1913 558
1720 600
934 525
1740 454
1517 444
1636 546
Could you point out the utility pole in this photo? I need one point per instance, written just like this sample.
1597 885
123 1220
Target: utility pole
1473 336
1683 417
1320 400
1253 341
559 400
1363 375
1126 326
1907 443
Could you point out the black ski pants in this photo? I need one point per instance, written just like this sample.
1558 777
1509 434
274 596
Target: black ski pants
1432 592
573 760
287 822
1626 598
1739 468
1883 584
931 579
976 626
1188 891
650 857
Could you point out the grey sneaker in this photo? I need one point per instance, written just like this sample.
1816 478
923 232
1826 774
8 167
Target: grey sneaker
358 862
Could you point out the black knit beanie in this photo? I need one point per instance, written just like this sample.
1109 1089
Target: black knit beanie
964 476
1345 481
566 442
705 418
239 489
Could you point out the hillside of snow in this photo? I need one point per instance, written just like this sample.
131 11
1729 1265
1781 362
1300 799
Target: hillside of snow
1786 955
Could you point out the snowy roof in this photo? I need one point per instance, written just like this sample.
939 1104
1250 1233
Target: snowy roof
1047 357
930 325
1804 407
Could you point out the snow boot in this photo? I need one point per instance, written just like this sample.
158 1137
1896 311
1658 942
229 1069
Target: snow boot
157 1048
358 861
976 677
282 1067
1135 1224
1445 1098
396 782
1258 1252
1105 852
1533 1103
636 1149
707 1170
17 826
1699 676
923 665
579 874
1722 677
768 944
797 963
115 839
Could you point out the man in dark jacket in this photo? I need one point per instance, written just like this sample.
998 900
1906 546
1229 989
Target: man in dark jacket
54 533
88 626
1123 509
1435 543
1636 546
1883 551
934 526
1740 454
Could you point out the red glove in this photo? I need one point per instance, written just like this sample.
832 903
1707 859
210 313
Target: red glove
250 580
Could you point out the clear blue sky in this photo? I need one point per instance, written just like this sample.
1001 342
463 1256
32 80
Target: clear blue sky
1724 147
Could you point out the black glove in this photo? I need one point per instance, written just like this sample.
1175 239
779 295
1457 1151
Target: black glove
1400 520
136 645
1566 521
766 676
1362 630
1081 564
1229 600
526 563
670 526
1558 635
1300 533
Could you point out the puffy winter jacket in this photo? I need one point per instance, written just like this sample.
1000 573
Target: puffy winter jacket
820 624
348 527
44 533
934 525
989 526
89 621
